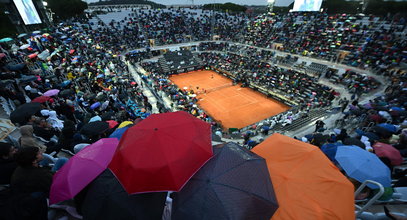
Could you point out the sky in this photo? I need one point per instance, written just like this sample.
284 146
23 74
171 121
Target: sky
200 2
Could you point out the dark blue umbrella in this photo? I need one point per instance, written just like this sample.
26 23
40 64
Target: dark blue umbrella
118 133
389 127
330 150
234 184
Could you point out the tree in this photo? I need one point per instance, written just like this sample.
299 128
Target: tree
230 7
67 8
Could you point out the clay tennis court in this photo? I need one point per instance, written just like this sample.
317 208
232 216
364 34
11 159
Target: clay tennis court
232 106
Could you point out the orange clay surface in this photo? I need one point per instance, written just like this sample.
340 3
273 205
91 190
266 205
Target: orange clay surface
232 106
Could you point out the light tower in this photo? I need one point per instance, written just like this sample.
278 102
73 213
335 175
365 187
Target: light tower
270 5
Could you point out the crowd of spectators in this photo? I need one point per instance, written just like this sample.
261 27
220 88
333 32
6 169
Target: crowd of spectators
72 77
297 86
85 91
372 43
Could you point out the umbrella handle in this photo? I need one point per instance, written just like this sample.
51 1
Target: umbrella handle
372 200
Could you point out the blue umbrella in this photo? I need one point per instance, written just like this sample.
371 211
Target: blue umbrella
330 150
362 165
95 105
389 127
65 83
395 108
118 133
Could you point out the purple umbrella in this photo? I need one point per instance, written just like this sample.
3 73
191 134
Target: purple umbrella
51 92
82 169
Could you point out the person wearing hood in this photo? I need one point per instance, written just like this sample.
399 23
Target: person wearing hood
27 138
53 119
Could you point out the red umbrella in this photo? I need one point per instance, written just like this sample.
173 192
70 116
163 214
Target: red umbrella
162 152
33 55
386 150
112 123
41 99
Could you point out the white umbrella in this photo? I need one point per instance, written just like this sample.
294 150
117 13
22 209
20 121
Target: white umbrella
22 35
43 55
36 32
25 46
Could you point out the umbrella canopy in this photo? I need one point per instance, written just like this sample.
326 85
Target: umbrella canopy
391 128
307 184
51 92
25 79
386 150
382 132
22 35
330 150
354 141
7 39
107 199
24 112
25 46
41 99
33 55
107 115
94 128
118 133
362 165
227 188
162 152
112 123
95 105
66 93
81 169
125 123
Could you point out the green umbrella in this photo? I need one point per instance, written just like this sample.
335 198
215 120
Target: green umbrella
7 39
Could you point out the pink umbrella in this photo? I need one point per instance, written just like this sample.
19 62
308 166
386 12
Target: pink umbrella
386 150
51 92
82 169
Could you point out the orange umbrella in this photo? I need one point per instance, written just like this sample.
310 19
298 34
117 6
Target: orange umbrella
308 186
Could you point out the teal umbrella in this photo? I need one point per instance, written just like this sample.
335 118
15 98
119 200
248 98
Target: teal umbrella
7 39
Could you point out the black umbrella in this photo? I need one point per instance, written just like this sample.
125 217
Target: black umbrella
233 184
107 199
66 93
89 96
382 132
25 79
319 139
94 128
381 108
101 97
354 141
107 115
24 112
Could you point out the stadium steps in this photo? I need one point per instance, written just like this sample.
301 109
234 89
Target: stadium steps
163 65
313 116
